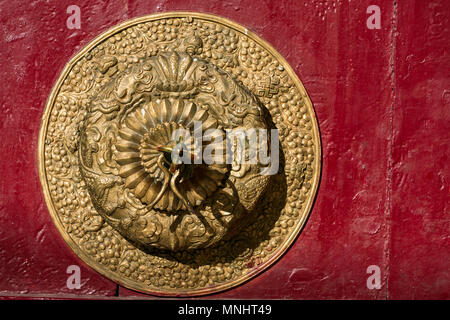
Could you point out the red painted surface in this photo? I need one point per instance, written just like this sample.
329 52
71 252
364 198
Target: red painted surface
419 258
382 99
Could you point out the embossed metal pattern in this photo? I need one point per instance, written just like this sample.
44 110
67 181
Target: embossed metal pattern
118 200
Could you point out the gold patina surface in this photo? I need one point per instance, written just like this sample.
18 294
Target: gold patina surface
113 192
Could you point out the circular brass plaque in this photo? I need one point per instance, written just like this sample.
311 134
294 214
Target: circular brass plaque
112 175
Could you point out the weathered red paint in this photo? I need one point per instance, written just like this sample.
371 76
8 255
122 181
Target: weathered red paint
382 102
419 257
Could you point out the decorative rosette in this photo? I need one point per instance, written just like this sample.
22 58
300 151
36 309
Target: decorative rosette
145 153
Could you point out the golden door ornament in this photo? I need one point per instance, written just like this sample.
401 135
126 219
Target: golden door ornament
130 106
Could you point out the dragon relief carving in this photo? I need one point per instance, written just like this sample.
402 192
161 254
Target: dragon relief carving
127 142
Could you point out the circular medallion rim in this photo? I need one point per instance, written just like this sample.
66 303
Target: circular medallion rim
180 292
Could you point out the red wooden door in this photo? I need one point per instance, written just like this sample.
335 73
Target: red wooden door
382 99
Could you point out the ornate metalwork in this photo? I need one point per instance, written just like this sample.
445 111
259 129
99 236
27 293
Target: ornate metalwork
107 146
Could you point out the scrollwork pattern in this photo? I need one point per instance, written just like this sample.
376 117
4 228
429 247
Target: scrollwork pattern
244 222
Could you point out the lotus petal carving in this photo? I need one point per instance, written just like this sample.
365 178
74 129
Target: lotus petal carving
143 151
